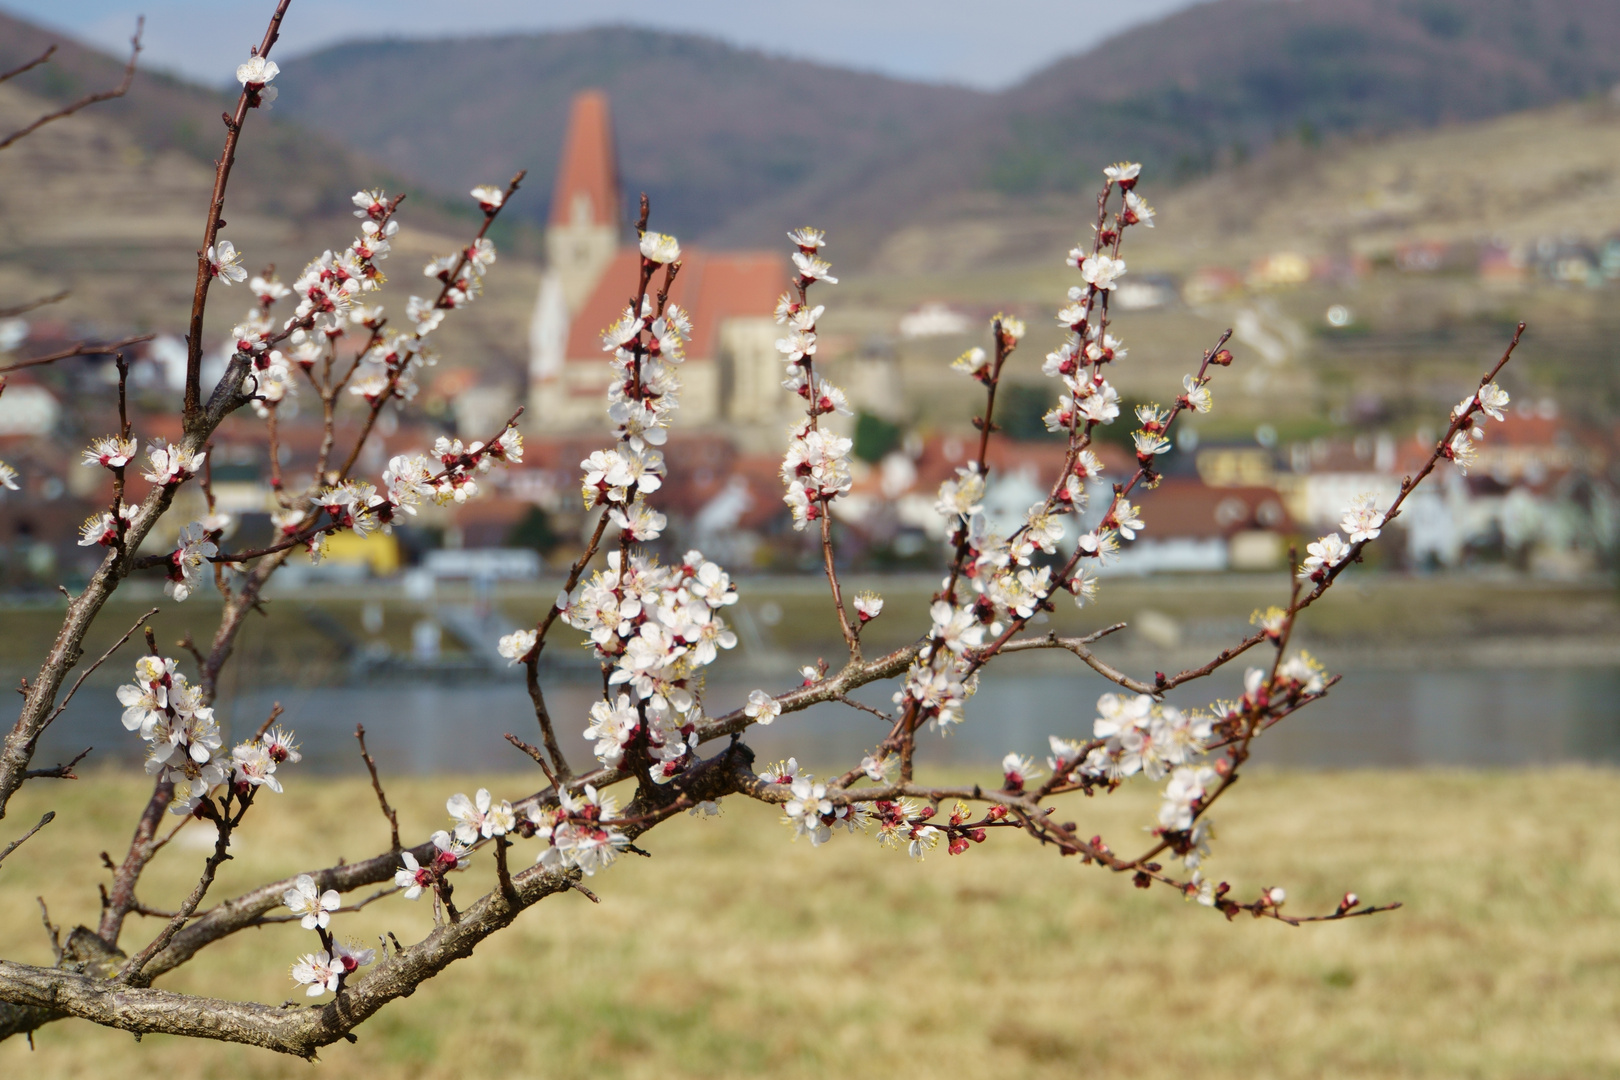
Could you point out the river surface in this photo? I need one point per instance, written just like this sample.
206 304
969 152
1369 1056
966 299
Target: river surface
1376 717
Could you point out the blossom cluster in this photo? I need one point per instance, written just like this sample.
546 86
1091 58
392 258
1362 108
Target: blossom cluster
1363 521
323 971
1007 585
1488 401
184 744
816 468
656 627
579 831
811 812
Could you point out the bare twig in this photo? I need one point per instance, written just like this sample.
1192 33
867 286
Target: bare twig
535 755
49 816
85 102
275 712
224 824
50 51
192 407
87 672
59 772
376 785
83 348
32 305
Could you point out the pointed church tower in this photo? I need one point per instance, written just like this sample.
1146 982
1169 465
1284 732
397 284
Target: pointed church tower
585 224
583 233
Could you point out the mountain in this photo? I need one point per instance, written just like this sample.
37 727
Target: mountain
1228 77
283 169
733 144
706 129
108 204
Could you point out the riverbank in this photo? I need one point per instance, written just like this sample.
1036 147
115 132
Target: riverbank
735 953
332 634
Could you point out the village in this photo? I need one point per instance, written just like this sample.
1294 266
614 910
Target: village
1540 500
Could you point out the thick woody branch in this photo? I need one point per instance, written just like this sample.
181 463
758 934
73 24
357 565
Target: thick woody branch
44 993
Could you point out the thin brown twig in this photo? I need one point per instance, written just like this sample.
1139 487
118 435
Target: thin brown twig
535 754
49 816
59 772
91 99
52 931
33 305
50 51
376 785
87 672
275 711
192 406
83 348
225 824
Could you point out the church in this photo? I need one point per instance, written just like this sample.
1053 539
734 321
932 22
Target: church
732 377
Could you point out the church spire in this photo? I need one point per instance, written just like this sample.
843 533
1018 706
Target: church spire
587 188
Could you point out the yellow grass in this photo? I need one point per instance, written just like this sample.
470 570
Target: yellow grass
732 952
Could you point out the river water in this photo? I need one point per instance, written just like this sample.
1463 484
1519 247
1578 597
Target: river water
1376 717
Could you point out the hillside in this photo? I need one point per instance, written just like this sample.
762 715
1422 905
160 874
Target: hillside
732 143
1541 180
708 130
1223 79
284 170
85 206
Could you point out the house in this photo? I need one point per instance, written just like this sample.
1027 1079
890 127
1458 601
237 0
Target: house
1192 526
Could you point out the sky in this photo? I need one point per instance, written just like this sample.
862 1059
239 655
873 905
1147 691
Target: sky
933 40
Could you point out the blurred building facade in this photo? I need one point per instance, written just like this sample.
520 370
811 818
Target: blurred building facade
731 376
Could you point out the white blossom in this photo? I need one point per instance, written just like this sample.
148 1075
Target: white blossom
659 248
257 71
1493 399
318 972
225 262
1099 271
516 645
807 808
305 899
1324 554
1363 520
762 707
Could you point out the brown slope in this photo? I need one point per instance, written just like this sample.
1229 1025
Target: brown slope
282 169
705 128
1219 81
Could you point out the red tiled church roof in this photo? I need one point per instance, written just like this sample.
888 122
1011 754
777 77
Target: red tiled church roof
712 287
588 170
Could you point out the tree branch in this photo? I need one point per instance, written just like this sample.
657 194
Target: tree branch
85 102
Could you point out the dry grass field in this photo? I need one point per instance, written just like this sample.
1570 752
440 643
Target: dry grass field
732 952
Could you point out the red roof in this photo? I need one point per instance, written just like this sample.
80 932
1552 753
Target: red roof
1185 506
588 172
711 286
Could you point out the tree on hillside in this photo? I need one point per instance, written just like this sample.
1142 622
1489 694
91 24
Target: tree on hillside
662 749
